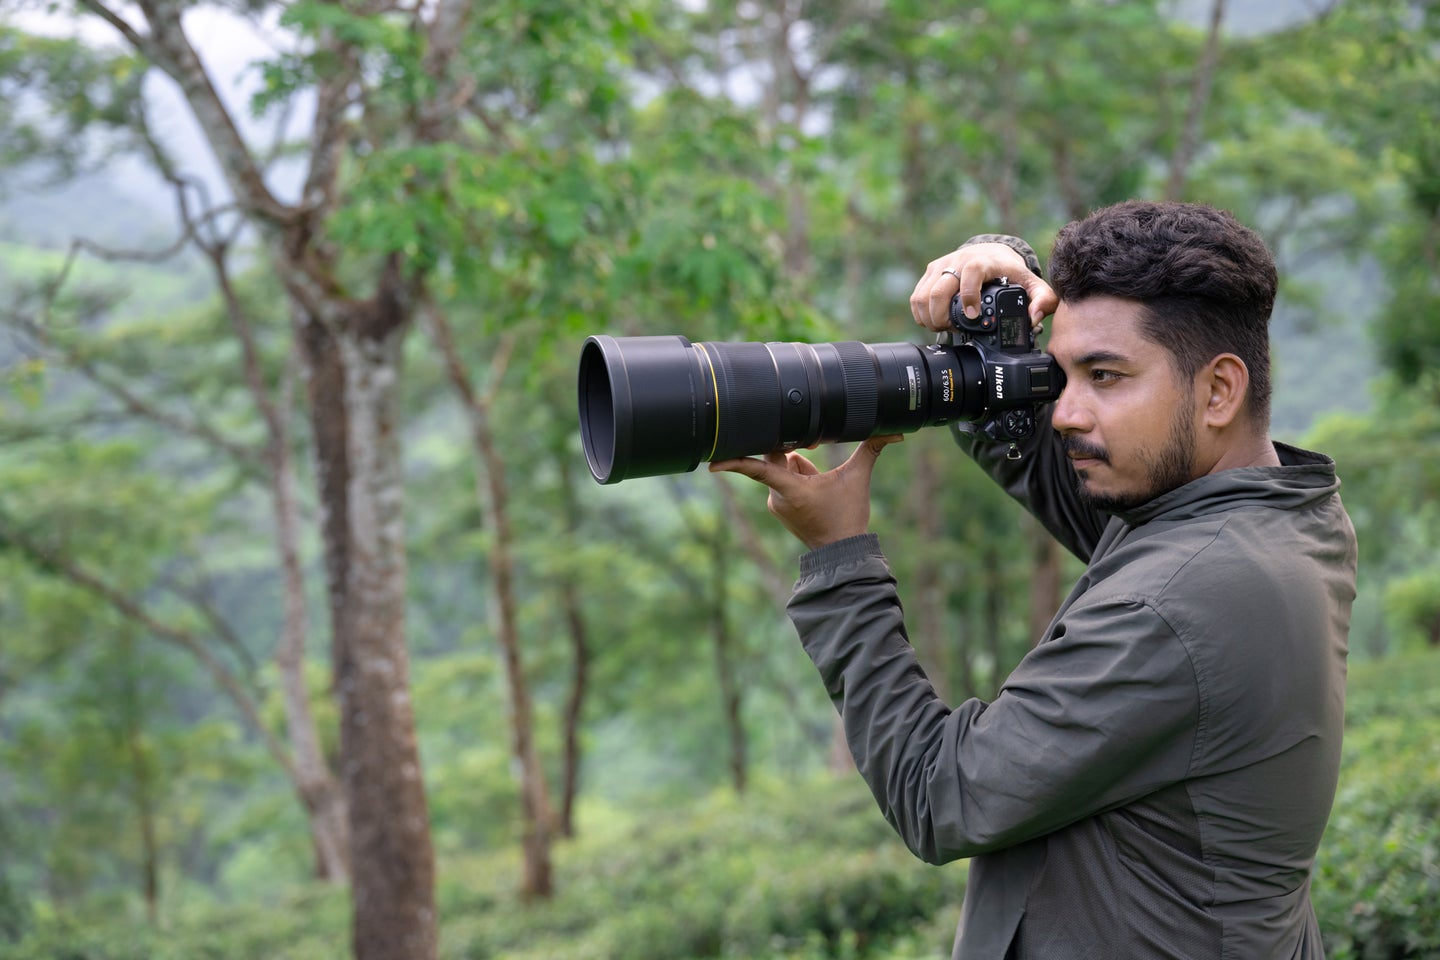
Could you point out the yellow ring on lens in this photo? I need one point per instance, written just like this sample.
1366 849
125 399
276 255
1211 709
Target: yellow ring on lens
715 383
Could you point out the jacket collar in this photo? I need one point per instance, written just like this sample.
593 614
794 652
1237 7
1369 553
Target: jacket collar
1303 477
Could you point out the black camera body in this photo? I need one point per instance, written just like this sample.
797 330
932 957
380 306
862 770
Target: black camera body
651 406
1017 378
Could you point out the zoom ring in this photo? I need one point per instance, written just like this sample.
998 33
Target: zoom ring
857 366
749 414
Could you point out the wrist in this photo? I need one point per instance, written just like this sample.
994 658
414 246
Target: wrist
851 549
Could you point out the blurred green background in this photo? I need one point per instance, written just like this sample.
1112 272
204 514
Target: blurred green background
622 748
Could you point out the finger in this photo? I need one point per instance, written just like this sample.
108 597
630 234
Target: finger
981 263
799 464
791 462
777 470
930 285
1043 299
864 456
775 476
972 278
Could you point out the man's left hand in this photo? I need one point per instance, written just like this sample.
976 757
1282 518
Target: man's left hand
818 508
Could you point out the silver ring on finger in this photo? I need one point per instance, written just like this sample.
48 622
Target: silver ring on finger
952 273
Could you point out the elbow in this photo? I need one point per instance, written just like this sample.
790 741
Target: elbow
930 842
934 855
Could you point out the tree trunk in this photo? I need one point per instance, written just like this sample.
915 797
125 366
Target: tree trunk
352 353
574 704
394 869
142 792
931 590
579 658
537 879
1202 84
352 373
1044 580
994 587
320 792
724 642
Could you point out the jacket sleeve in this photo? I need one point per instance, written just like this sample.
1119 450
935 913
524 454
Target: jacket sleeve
1104 713
1042 481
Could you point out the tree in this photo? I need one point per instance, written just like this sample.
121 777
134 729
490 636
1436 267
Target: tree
350 329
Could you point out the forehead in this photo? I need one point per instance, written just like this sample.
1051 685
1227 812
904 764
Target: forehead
1101 324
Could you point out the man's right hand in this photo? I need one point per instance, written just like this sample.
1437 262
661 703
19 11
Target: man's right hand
966 270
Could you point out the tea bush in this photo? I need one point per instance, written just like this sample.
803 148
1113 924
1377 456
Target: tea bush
810 871
1377 884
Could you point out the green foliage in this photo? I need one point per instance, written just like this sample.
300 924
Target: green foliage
14 904
1413 601
1389 461
809 871
92 92
626 167
303 926
800 870
793 865
1377 882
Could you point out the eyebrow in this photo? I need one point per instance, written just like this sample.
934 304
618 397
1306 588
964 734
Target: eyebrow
1100 356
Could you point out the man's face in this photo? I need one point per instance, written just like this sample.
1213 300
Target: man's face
1124 418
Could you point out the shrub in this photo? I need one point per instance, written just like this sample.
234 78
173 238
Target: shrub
1377 886
787 869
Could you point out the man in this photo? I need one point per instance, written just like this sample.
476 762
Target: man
1154 777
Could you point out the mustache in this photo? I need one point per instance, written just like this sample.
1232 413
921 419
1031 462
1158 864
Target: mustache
1076 447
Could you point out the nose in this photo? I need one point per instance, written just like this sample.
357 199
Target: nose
1070 414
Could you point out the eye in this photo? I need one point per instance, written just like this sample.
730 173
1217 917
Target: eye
1098 375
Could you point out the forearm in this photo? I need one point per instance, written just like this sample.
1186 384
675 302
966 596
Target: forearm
851 623
1067 735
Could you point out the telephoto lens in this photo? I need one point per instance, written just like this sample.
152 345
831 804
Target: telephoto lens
651 406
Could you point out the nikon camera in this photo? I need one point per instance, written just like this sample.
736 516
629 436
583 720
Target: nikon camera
651 406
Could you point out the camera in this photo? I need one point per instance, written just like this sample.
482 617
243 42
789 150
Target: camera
651 406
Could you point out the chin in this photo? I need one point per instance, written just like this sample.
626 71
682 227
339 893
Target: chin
1111 501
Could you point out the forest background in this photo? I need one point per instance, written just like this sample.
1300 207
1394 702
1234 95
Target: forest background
317 640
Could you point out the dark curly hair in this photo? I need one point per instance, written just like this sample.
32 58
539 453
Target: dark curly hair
1206 282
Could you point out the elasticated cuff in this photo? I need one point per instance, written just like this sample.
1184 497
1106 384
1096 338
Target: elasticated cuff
832 555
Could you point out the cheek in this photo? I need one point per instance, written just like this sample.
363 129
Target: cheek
1138 424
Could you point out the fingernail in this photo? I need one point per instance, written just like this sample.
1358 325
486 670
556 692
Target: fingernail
972 312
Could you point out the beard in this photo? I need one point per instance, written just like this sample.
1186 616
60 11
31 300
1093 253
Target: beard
1164 469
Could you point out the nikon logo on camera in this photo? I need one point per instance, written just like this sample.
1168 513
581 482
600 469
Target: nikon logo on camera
999 382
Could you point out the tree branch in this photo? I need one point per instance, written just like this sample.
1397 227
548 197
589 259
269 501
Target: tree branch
1204 81
130 401
137 40
53 562
169 49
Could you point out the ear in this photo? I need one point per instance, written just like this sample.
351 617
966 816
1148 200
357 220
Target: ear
1224 383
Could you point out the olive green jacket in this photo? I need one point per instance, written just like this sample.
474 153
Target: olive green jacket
1154 777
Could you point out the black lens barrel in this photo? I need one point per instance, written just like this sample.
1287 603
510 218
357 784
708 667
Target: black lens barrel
651 406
